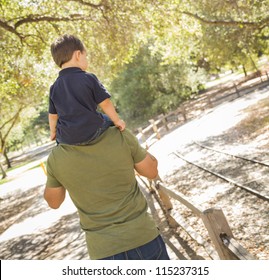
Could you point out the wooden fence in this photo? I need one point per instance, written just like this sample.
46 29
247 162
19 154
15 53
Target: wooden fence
214 220
199 104
217 226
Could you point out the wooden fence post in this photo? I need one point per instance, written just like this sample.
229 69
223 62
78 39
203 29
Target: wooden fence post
155 129
235 248
163 195
260 75
164 121
215 222
217 225
142 134
183 112
236 90
209 101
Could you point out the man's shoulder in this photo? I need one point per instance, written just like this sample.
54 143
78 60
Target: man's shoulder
126 133
113 134
130 139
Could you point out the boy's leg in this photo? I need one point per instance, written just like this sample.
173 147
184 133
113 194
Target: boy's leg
108 122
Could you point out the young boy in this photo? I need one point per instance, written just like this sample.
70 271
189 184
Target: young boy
74 96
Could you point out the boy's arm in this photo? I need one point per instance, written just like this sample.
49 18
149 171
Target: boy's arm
53 118
109 109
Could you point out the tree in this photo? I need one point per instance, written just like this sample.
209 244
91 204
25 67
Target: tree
216 32
108 29
231 31
116 28
147 86
22 85
207 33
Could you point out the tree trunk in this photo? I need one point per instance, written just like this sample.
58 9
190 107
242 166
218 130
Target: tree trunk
7 159
253 64
4 174
245 71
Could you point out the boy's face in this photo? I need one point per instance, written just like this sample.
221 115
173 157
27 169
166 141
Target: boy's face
83 62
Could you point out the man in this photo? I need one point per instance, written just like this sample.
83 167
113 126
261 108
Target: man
101 182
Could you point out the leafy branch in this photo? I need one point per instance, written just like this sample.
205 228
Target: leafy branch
36 18
252 24
39 18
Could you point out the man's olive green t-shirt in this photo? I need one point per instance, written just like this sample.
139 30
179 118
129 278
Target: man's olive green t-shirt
101 182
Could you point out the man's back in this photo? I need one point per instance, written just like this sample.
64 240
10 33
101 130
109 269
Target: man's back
101 182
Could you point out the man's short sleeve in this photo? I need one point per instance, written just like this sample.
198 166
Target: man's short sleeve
138 153
52 182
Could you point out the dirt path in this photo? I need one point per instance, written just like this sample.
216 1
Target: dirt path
30 230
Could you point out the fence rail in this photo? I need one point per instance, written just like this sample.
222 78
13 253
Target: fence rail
196 106
215 223
214 220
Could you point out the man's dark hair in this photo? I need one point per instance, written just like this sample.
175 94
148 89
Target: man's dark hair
63 48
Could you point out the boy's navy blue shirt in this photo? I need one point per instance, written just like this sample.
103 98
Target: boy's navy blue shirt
74 97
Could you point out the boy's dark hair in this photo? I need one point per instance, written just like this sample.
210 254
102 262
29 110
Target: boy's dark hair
63 48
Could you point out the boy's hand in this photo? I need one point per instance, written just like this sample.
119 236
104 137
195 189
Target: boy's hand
120 125
53 136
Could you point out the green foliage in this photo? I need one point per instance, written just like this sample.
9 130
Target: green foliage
147 87
108 28
237 43
38 123
22 86
186 36
213 33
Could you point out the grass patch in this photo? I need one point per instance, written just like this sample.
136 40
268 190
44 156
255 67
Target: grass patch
38 165
5 180
8 179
